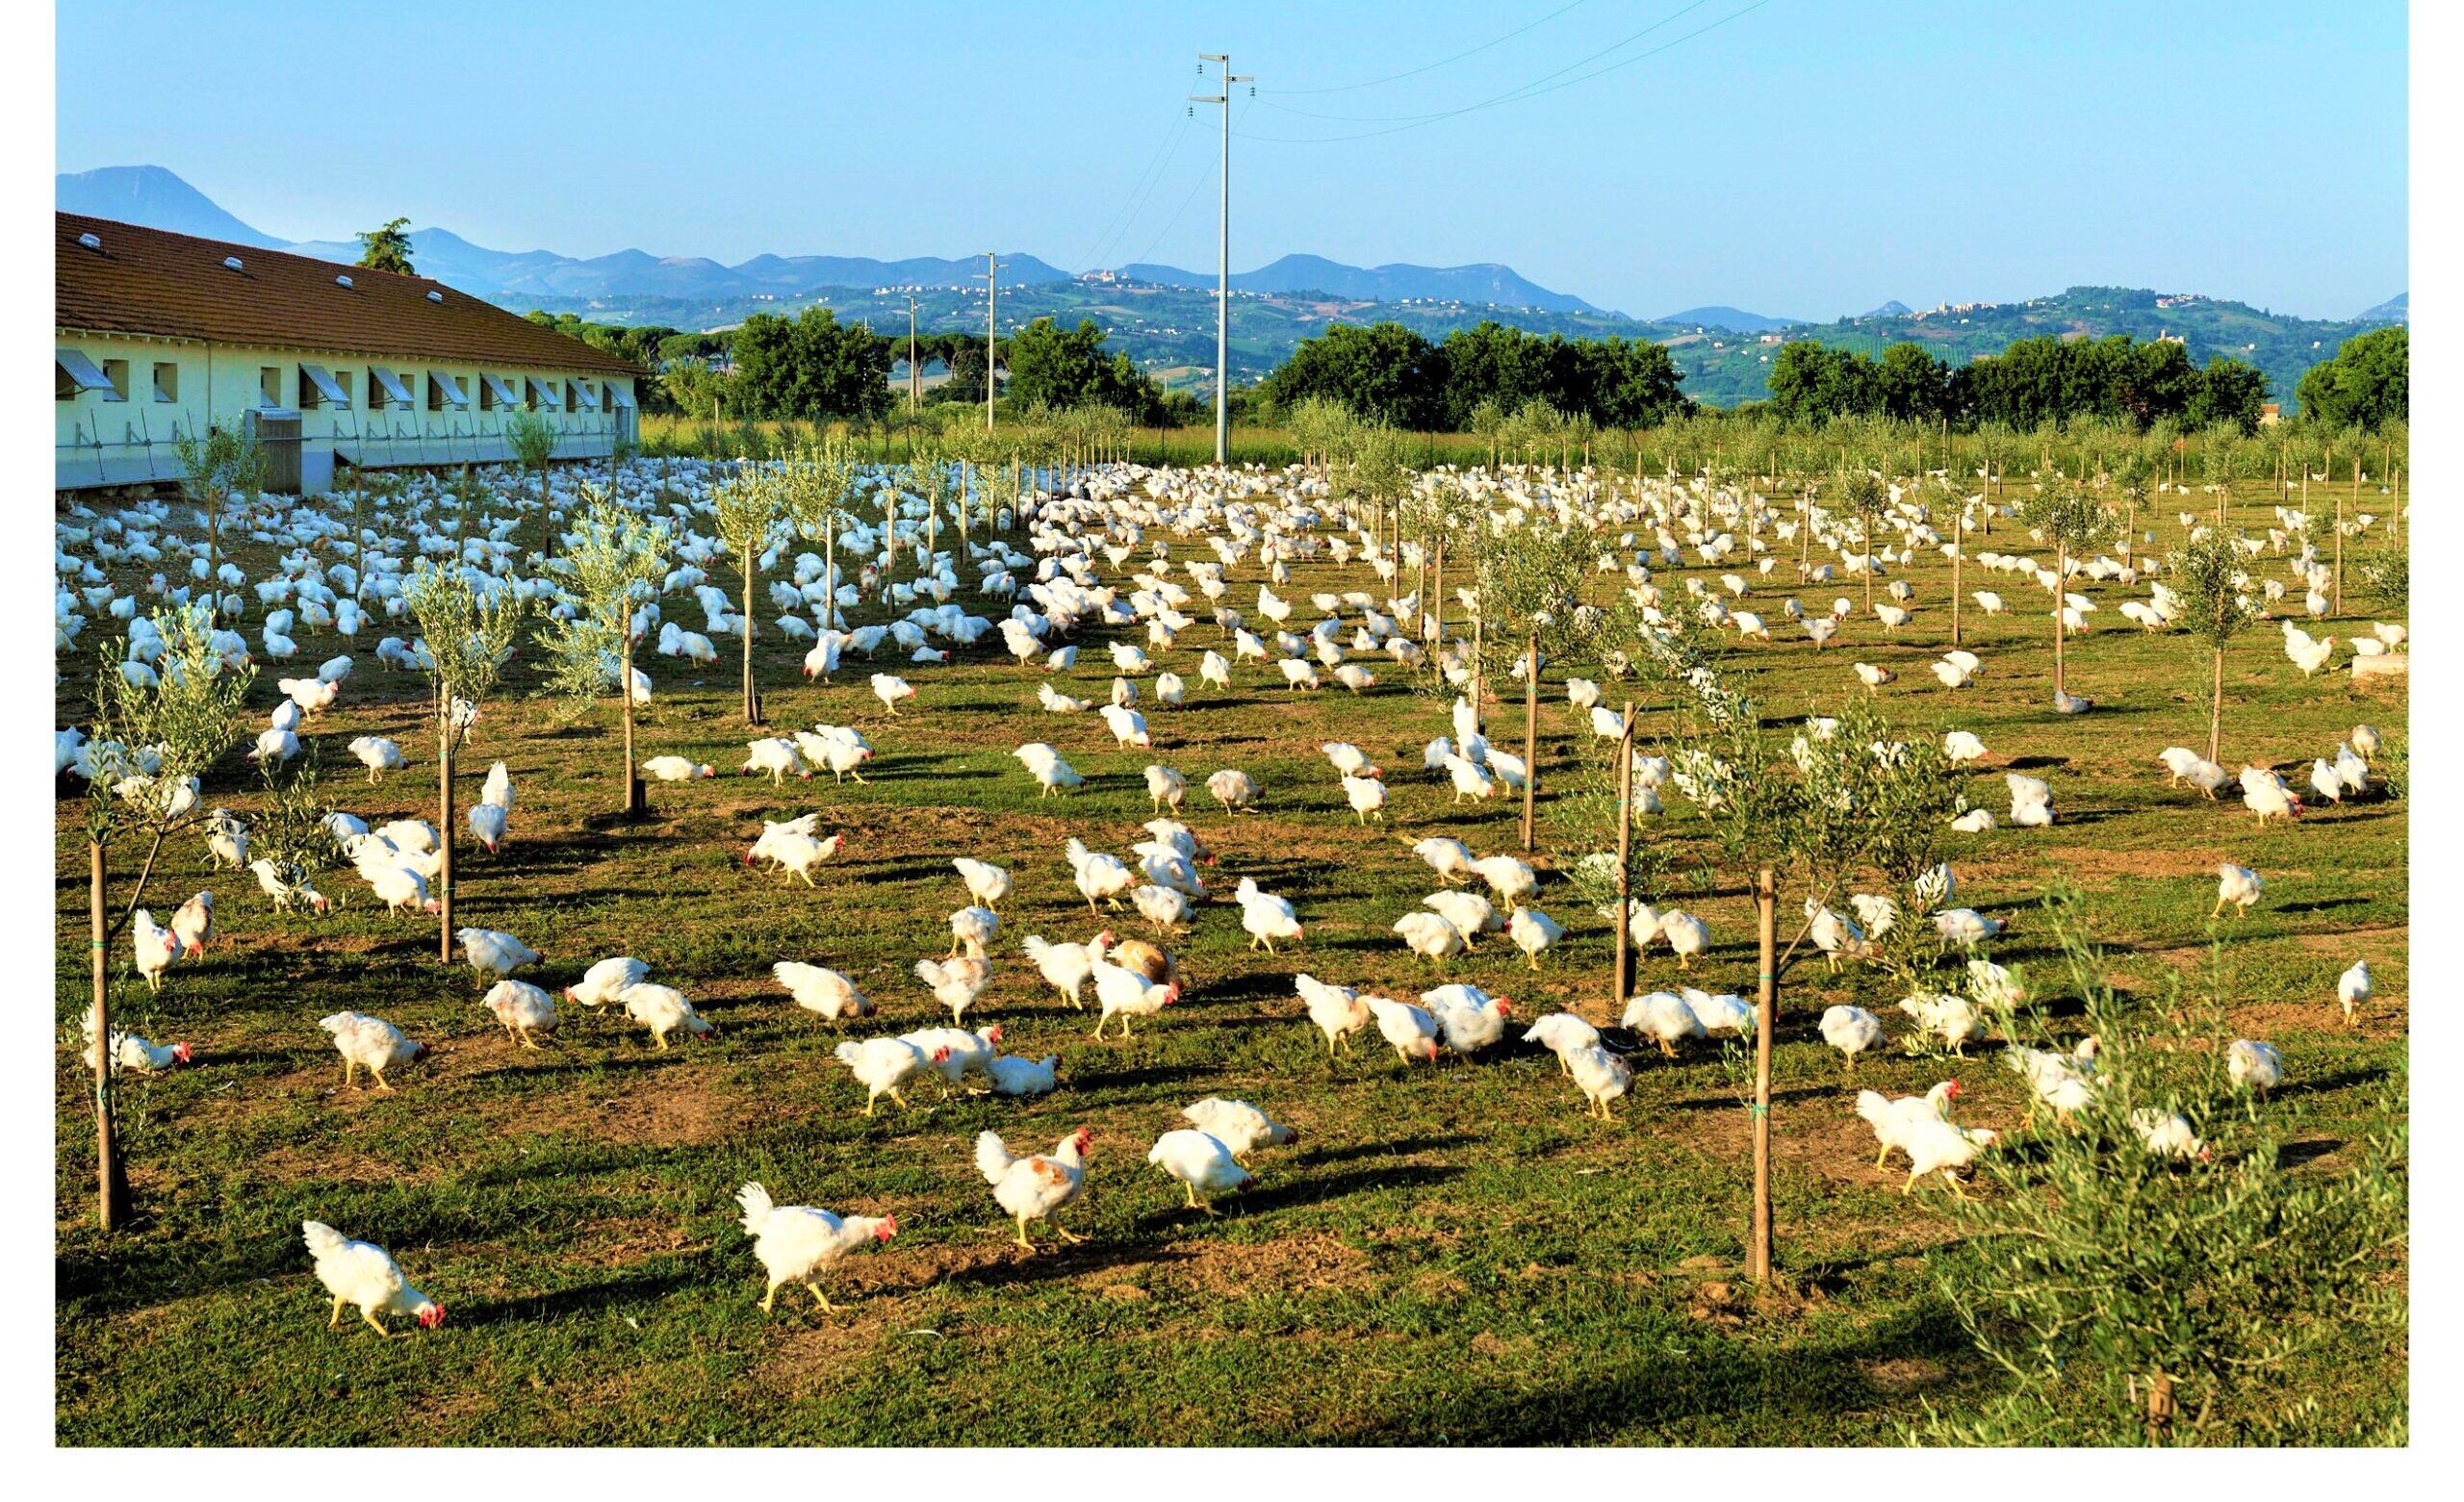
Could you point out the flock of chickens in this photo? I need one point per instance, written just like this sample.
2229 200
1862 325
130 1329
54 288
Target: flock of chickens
1155 529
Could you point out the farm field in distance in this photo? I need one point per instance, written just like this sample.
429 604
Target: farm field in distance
1450 1253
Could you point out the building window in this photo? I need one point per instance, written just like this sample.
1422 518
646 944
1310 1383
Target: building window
445 391
166 381
269 384
115 371
317 388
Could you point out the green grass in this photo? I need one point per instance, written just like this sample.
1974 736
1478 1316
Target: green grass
1452 1253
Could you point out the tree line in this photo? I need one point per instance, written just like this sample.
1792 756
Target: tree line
1385 373
2031 382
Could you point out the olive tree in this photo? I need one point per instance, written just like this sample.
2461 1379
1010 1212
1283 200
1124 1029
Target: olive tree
820 481
1861 496
2074 522
223 463
611 569
467 632
2208 577
1836 799
531 438
2134 1295
751 505
154 734
1531 571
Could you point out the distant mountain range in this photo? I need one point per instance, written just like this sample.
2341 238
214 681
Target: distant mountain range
1737 320
155 196
1164 316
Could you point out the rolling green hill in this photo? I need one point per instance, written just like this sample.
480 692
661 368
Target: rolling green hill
1170 330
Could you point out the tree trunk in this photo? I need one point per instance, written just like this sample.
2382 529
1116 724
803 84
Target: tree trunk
110 1178
632 774
2215 710
1958 549
1767 907
1623 978
752 699
1436 639
445 835
1530 731
2061 587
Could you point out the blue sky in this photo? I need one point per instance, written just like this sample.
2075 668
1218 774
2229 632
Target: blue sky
1809 158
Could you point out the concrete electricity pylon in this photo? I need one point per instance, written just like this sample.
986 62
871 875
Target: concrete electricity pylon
992 300
1223 241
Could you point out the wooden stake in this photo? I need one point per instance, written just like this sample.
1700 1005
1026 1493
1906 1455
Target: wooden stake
1766 922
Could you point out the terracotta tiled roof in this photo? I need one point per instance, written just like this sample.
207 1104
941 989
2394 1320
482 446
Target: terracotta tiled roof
150 281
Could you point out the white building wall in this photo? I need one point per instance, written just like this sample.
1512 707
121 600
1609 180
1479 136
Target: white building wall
97 441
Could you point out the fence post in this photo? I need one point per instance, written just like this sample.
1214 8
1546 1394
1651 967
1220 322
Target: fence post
1757 1266
1625 851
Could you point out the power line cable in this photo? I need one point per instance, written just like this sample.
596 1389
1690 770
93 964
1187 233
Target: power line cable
1192 195
1148 181
1342 89
1529 90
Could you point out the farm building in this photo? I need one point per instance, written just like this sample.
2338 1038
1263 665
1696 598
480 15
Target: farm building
162 335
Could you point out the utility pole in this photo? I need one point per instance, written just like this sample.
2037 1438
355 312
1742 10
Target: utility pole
992 301
914 371
1222 242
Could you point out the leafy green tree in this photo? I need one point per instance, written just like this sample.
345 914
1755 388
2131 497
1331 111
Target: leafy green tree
821 482
2075 523
1911 385
1071 368
751 505
388 247
223 463
1382 373
811 368
610 571
2137 1297
2228 392
530 437
153 737
1812 813
2367 384
2207 575
1530 590
469 632
1862 496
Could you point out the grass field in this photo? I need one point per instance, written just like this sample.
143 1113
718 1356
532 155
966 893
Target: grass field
1450 1254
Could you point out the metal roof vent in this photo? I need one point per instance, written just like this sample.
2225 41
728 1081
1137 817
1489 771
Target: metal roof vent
91 240
433 295
342 281
231 263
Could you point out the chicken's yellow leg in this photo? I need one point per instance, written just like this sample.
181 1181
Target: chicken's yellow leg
1022 1234
769 1296
1881 1157
379 1076
1065 1233
335 1322
375 1324
827 1306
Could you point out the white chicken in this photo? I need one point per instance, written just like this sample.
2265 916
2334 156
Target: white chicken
1337 1009
821 990
494 953
361 1275
1470 1018
604 984
522 1010
956 983
1410 1031
1036 1187
663 1009
885 1066
794 1243
1851 1030
1664 1018
1241 1127
372 1044
2238 885
1198 1162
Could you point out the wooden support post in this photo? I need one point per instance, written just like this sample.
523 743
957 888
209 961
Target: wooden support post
1766 924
